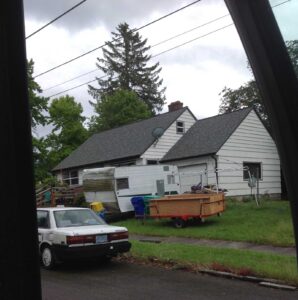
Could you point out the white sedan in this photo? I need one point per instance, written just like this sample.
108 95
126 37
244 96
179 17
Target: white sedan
69 232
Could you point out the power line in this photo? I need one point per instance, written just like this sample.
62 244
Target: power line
99 47
170 49
211 32
190 30
66 12
157 44
190 41
75 87
71 79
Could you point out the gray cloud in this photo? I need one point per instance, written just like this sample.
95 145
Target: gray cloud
92 13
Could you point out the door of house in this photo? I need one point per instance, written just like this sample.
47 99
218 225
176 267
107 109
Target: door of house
192 175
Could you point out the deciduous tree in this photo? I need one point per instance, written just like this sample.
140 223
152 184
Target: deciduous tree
68 132
118 109
248 94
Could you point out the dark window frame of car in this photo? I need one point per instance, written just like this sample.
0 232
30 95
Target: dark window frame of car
46 217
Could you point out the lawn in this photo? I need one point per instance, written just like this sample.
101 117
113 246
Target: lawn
270 223
242 262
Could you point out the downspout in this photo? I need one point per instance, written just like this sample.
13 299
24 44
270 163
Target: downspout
215 157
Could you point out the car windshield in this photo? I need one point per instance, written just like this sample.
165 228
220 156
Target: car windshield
77 217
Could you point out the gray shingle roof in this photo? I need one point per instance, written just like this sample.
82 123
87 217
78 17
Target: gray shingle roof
119 143
207 136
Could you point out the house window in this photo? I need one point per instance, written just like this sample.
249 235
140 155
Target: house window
255 170
180 127
122 183
171 179
70 177
151 162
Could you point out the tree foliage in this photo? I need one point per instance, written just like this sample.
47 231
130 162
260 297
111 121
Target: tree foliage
68 132
118 109
38 105
248 94
125 65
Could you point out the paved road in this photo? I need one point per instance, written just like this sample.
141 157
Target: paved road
119 280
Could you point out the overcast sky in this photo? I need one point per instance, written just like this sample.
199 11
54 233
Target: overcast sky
194 73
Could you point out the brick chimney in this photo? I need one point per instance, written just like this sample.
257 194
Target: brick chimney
175 106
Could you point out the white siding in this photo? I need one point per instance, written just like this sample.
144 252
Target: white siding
190 171
249 143
169 138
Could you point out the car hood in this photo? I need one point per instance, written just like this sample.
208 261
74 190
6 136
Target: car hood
95 229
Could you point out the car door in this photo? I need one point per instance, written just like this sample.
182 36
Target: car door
43 224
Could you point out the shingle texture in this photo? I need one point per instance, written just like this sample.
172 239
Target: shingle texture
207 136
118 143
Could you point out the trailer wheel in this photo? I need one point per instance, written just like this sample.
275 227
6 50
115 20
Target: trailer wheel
179 223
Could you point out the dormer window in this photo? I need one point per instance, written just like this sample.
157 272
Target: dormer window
179 127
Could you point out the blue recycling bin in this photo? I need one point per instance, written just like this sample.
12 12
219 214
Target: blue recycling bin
139 206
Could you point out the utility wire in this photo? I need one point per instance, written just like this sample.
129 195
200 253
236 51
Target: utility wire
136 29
180 45
157 44
190 41
51 22
71 79
221 28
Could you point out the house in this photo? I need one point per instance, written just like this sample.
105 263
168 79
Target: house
141 143
230 143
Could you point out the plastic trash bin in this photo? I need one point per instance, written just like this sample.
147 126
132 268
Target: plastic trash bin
96 206
147 202
139 206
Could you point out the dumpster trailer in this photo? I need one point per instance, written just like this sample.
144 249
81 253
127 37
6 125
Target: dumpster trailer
181 208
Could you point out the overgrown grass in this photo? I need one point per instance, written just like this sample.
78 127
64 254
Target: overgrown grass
270 223
243 262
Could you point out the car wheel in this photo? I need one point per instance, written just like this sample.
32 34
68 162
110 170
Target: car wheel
179 223
48 258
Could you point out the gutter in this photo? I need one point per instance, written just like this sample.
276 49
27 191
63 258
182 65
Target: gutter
215 157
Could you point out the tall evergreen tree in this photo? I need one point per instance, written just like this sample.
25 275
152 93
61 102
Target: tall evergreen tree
125 64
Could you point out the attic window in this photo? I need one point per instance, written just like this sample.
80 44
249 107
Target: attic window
179 127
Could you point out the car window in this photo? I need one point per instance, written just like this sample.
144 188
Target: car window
82 217
286 17
43 219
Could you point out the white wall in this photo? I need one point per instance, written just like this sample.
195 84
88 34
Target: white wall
191 169
250 142
169 138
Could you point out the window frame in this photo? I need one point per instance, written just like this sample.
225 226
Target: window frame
68 178
47 218
246 177
180 127
122 188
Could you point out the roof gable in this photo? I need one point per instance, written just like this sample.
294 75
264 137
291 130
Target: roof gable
207 136
119 143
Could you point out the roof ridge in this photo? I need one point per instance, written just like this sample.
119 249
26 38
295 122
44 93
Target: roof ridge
159 115
226 113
